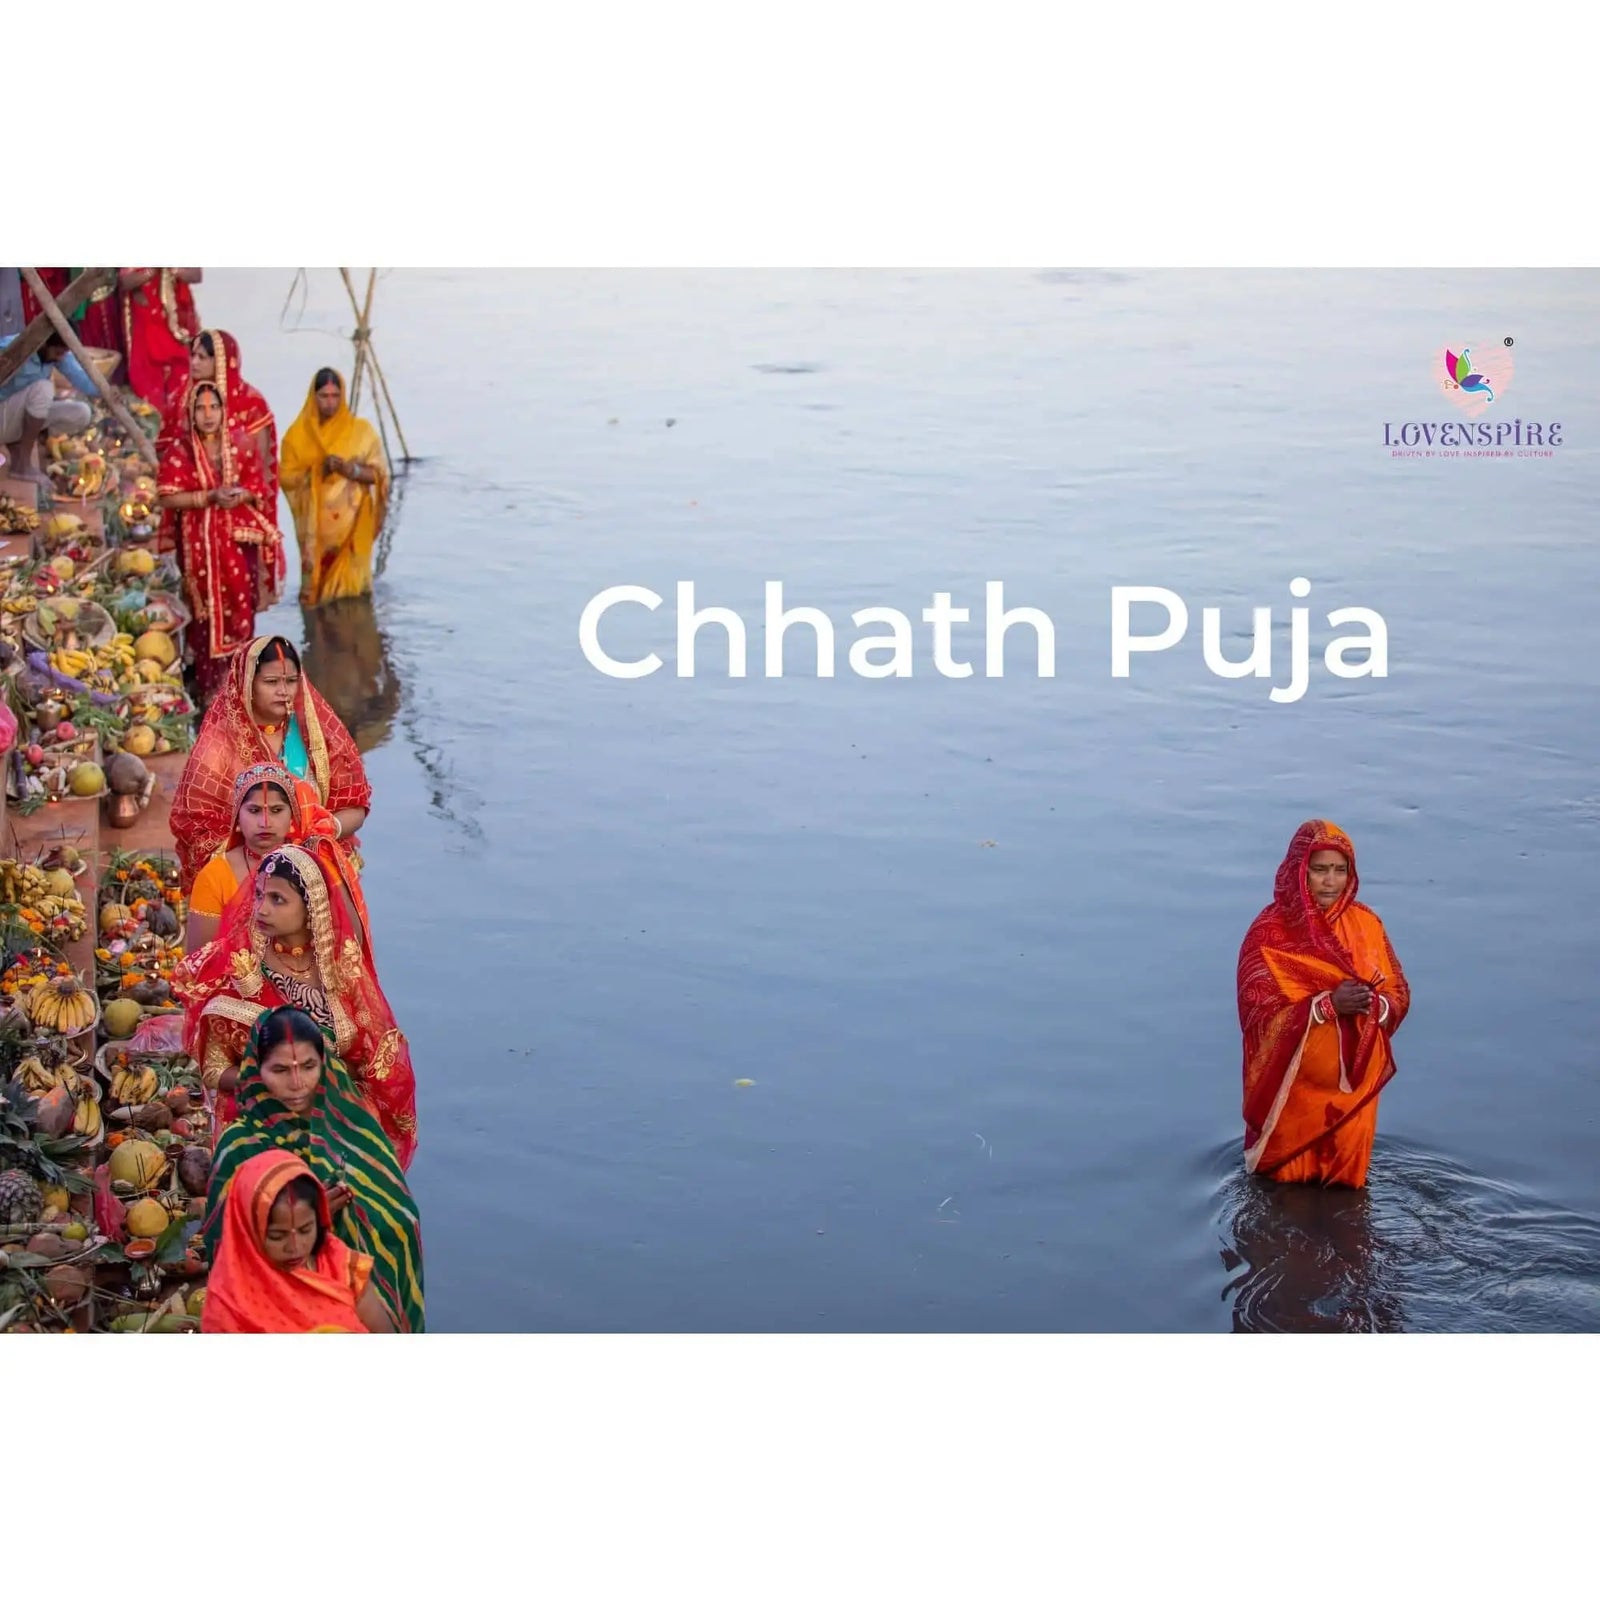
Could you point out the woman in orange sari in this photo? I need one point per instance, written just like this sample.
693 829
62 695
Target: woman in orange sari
1320 995
227 532
158 321
337 484
267 710
280 1267
272 808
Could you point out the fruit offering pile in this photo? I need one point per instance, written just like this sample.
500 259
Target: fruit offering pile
105 1135
91 630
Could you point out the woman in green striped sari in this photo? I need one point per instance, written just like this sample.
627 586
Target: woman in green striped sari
295 1094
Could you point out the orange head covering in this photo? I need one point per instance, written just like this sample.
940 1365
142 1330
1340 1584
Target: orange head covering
247 1293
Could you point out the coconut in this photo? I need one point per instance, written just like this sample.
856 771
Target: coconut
46 1244
178 1100
61 883
121 1016
153 1117
125 773
137 1162
147 1218
194 1170
86 779
154 645
67 1285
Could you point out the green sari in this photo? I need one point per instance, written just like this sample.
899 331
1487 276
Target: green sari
342 1142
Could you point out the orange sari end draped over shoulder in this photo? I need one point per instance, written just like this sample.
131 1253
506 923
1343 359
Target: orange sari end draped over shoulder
247 1293
336 519
1311 1087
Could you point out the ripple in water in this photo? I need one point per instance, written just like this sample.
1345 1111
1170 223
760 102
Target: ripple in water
1427 1247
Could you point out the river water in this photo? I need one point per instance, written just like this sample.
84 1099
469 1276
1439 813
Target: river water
972 941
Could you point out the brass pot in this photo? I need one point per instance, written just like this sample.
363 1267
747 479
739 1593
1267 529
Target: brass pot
122 810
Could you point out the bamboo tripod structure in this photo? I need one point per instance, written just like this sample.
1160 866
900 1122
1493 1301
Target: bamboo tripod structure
367 356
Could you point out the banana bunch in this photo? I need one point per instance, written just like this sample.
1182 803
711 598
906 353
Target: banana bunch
74 663
15 518
53 904
90 480
38 1079
134 1086
61 1006
86 1120
20 605
21 885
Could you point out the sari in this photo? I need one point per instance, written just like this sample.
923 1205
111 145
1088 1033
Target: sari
311 826
249 414
222 550
248 1293
226 986
318 749
336 520
340 1141
1311 1085
158 322
98 322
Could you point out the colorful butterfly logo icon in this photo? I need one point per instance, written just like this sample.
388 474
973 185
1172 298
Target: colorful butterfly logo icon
1458 369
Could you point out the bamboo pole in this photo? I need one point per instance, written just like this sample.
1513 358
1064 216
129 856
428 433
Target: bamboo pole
113 403
372 356
363 335
37 332
405 449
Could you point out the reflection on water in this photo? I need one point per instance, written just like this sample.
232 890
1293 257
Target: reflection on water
347 658
1427 1247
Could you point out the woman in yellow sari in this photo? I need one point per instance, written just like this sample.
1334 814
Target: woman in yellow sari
337 483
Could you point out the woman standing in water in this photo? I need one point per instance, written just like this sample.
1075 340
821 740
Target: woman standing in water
1320 995
337 485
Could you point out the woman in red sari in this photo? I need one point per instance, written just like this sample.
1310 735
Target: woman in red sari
1320 995
266 710
293 943
214 358
158 322
227 534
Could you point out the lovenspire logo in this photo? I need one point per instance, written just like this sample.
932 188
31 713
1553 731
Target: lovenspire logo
1474 378
1472 382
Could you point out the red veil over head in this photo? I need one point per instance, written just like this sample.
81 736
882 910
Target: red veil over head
221 549
1293 952
231 740
225 986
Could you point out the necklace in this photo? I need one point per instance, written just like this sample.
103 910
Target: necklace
293 951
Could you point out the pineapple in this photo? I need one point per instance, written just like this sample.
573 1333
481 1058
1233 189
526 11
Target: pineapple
21 1203
26 1158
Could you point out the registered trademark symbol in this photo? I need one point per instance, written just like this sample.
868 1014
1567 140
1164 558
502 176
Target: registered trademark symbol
1509 343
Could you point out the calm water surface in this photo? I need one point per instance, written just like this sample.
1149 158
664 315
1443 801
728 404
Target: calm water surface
973 940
